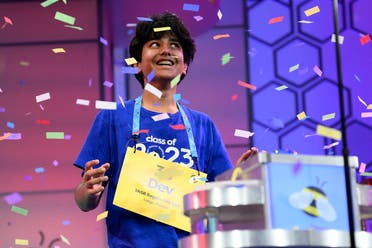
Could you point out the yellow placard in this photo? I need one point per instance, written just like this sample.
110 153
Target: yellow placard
154 187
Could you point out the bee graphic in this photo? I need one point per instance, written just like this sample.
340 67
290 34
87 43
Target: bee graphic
314 202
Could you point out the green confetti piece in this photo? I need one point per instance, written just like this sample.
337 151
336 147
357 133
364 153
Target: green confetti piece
367 174
64 18
175 80
55 135
48 2
19 210
282 87
226 58
328 116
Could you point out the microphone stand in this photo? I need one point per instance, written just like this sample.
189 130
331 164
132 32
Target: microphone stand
345 150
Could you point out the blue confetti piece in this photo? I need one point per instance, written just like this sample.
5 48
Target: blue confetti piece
150 76
191 7
130 32
10 124
177 97
356 77
39 170
66 222
129 70
144 19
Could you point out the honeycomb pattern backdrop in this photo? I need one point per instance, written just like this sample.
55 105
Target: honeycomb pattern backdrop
292 62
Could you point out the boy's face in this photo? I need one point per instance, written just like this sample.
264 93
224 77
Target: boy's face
165 57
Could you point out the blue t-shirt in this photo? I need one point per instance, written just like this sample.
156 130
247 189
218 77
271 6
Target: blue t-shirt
107 140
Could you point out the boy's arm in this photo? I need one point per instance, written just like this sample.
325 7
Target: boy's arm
88 192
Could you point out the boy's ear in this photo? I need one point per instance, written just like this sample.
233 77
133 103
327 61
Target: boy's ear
138 66
184 70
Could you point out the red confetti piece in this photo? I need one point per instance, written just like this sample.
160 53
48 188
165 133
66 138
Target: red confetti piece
365 39
276 19
43 122
7 21
178 127
234 97
246 85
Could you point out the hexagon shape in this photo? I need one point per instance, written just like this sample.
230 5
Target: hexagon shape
302 140
322 27
260 27
264 138
270 103
295 61
361 17
359 138
323 99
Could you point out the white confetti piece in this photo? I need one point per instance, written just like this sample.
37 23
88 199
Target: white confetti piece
42 97
160 117
340 39
82 102
153 90
293 68
243 133
105 105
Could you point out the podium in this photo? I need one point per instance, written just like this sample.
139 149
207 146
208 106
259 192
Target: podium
279 200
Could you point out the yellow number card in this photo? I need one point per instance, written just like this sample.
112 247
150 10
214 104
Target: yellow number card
154 187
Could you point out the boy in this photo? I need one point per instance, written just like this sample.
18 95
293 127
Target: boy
187 137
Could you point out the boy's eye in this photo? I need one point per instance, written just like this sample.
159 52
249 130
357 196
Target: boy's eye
154 44
175 45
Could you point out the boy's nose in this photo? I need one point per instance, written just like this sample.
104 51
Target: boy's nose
165 50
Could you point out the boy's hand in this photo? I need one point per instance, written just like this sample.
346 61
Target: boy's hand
246 155
93 178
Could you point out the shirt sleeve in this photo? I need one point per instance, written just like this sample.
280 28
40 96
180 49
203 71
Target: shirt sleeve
97 143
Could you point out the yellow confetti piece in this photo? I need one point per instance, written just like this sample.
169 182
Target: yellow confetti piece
369 106
24 63
301 116
219 36
312 11
102 216
161 29
130 61
58 50
293 68
328 132
21 242
64 18
282 87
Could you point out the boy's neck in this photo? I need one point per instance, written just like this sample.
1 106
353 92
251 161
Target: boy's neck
166 104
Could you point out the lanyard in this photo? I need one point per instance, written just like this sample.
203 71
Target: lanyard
136 126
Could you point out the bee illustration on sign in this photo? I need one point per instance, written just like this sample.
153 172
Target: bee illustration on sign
314 202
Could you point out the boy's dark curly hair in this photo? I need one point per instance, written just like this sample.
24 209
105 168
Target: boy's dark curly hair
145 32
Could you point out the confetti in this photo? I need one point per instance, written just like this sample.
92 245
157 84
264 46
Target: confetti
317 71
243 133
19 210
161 29
328 132
177 97
103 41
175 80
276 19
219 14
55 163
369 106
191 7
178 127
131 25
305 22
24 63
366 114
356 77
301 116
198 18
160 117
129 70
65 240
82 102
144 19
13 198
102 215
7 21
67 136
121 101
21 242
59 16
43 122
153 90
366 174
150 76
312 11
282 87
105 105
13 136
296 168
362 167
220 36
362 101
58 50
39 170
275 123
2 110
66 222
226 58
340 39
43 97
55 135
74 27
328 116
5 136
10 124
130 61
293 68
234 97
108 84
48 3
365 39
247 85
331 145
